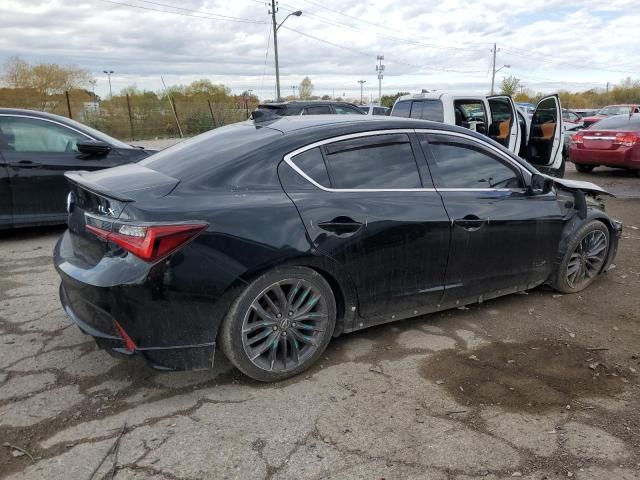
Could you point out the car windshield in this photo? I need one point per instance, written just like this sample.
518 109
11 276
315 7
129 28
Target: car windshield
615 110
620 122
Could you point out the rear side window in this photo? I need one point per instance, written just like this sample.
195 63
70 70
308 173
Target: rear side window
346 110
427 110
317 110
312 164
210 150
460 164
376 162
402 109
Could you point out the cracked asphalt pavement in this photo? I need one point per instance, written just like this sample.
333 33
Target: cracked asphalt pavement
536 386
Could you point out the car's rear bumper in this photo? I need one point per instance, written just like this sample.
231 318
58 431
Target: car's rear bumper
628 157
165 315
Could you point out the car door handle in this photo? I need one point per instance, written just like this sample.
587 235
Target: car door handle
470 222
26 164
341 225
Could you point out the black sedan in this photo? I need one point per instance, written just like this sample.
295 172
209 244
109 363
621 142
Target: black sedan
269 237
36 149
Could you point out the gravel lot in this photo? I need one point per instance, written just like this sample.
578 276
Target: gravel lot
533 386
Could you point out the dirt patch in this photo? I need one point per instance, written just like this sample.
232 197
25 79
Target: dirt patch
530 376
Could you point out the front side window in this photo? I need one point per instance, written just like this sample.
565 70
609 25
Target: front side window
317 110
375 162
460 163
34 135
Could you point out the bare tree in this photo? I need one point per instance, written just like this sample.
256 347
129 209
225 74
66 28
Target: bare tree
306 88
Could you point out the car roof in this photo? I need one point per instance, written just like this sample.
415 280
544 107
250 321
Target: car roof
349 122
32 113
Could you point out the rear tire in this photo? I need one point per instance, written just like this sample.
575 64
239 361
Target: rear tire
584 168
586 255
280 324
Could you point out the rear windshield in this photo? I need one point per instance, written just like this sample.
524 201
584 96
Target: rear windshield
621 122
200 154
615 110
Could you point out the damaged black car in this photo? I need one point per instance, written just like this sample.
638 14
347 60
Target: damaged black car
269 237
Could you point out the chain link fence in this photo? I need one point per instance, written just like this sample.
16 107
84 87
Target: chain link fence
136 116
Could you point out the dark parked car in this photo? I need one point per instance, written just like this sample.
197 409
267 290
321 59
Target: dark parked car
269 237
612 142
311 107
35 150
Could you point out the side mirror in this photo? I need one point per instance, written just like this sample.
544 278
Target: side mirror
94 148
540 184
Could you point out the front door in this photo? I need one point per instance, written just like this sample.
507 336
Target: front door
6 209
37 153
505 126
502 237
364 203
546 135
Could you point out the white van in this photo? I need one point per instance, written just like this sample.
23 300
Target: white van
539 141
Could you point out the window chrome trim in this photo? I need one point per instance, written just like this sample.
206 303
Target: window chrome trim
20 115
288 159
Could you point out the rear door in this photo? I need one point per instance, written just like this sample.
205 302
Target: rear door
546 135
504 115
363 203
37 155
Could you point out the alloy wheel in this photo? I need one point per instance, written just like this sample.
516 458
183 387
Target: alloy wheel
284 325
587 259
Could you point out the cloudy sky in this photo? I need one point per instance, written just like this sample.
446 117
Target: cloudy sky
444 45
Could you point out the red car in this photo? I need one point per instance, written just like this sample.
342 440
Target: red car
609 111
612 142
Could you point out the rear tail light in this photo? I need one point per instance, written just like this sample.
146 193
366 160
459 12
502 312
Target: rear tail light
626 139
578 138
149 242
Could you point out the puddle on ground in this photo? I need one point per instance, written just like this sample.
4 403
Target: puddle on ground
524 376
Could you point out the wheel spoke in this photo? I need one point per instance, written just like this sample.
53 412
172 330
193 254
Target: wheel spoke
292 294
301 299
274 308
262 313
303 338
311 316
285 353
295 349
264 347
282 299
273 349
308 306
309 328
252 327
260 336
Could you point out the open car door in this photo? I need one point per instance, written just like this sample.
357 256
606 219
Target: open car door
546 136
504 126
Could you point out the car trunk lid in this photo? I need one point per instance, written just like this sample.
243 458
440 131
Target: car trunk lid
99 198
600 140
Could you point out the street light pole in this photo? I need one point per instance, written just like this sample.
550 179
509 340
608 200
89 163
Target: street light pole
109 73
380 69
361 82
276 27
294 87
494 75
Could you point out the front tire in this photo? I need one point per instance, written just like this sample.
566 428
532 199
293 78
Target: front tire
280 324
584 168
584 259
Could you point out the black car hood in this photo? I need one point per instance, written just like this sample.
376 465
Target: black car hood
126 183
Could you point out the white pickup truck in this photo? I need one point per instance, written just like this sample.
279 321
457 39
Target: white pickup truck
539 141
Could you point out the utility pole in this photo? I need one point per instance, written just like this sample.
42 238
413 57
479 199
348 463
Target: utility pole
380 68
361 82
607 88
274 9
109 73
493 69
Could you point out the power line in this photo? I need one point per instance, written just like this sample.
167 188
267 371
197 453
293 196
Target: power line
205 15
